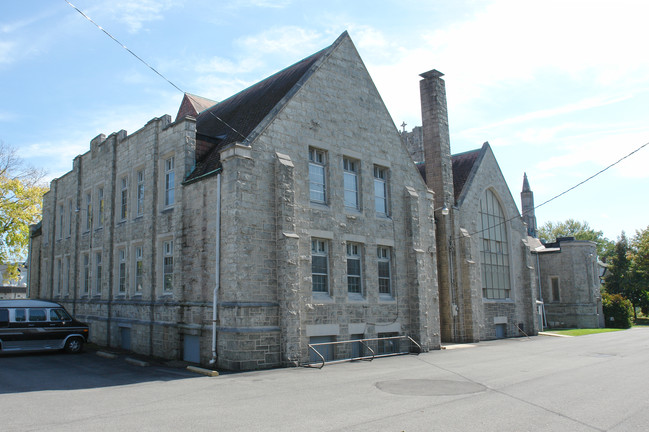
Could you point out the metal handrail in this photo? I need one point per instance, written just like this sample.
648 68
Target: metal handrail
320 364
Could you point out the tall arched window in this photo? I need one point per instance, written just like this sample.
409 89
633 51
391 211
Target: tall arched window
493 249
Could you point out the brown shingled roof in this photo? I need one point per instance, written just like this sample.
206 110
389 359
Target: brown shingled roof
234 119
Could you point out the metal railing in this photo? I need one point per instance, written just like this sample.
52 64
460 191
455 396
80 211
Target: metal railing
385 347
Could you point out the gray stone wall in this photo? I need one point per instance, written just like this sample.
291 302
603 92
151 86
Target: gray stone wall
520 309
267 311
575 267
76 229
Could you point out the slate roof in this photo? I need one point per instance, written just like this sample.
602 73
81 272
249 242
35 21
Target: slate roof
234 119
463 164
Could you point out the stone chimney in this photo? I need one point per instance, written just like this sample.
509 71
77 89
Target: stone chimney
527 207
437 145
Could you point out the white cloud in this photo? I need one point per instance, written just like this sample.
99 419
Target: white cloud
136 13
272 4
289 40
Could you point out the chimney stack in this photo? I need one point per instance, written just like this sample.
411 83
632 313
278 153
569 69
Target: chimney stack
437 145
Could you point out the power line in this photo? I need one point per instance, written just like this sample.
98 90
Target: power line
148 65
565 191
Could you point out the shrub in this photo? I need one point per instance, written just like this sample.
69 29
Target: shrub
618 311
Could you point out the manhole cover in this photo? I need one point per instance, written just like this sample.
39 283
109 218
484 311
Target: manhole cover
426 387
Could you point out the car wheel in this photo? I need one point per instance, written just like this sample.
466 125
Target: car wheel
73 345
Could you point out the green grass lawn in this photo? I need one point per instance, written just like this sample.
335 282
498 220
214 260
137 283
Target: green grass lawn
582 332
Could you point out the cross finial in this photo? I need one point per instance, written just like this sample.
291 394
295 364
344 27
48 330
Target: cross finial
403 125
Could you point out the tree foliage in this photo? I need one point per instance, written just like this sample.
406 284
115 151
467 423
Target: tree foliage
550 231
21 196
628 270
617 311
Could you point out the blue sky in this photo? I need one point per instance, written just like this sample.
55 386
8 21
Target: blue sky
560 89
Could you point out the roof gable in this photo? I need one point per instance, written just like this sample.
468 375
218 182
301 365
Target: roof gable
464 167
192 105
237 118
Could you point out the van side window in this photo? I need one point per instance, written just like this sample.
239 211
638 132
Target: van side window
37 315
4 317
19 315
59 315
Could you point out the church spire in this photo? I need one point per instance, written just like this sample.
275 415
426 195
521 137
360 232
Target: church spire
527 206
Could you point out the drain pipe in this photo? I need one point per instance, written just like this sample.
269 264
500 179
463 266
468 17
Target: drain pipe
217 274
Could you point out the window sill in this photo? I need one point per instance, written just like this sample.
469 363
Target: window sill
486 300
167 210
387 298
355 297
319 205
322 297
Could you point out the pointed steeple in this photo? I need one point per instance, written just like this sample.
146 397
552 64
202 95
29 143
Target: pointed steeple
526 184
527 206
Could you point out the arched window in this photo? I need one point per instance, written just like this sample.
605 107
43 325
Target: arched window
494 249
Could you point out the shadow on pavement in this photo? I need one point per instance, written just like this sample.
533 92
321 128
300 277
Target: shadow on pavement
21 373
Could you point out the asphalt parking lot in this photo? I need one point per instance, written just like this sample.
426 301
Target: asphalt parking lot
588 383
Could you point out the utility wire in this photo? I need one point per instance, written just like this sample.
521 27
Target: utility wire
565 191
148 65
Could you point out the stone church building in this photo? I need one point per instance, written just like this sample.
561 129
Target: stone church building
288 214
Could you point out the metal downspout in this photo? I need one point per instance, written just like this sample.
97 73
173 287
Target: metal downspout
217 275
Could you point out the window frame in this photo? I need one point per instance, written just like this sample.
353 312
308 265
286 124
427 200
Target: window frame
168 266
317 167
138 270
494 249
139 196
384 256
351 182
123 197
122 271
320 249
381 180
354 256
98 272
169 181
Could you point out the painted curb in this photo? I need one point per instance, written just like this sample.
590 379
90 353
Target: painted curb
202 371
107 355
553 334
136 362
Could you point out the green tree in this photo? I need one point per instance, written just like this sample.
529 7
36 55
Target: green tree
550 231
617 276
21 196
639 269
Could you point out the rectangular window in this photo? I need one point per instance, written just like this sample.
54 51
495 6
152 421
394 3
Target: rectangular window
140 193
98 268
319 265
139 269
380 190
554 281
168 266
123 213
354 285
121 287
350 180
169 182
69 233
317 176
88 211
100 207
383 255
86 274
66 282
58 276
59 233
